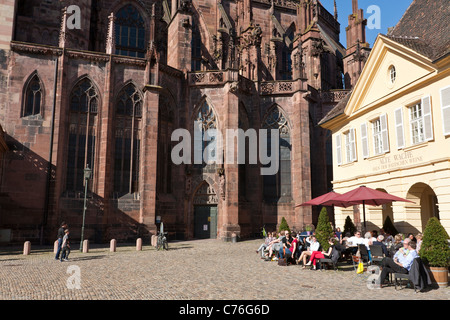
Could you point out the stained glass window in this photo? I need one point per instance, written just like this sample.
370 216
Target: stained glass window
196 60
130 32
82 133
32 99
127 141
277 187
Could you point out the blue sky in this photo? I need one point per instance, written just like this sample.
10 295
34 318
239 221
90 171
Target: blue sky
391 12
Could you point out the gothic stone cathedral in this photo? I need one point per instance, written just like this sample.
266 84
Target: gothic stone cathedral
109 95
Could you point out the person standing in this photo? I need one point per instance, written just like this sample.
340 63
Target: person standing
65 246
338 234
60 237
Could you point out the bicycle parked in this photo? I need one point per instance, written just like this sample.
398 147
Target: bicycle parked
162 243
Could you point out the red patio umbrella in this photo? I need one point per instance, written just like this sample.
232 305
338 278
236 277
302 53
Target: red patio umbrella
364 195
329 198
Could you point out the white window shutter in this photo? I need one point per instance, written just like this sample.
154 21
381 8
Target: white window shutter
384 132
338 149
445 105
427 118
364 141
353 145
399 128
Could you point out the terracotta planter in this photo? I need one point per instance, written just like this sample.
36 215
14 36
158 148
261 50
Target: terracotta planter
439 275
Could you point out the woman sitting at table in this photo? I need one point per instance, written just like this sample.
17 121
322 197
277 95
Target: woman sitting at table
396 245
314 245
321 254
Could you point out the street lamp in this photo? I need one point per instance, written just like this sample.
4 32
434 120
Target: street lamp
87 176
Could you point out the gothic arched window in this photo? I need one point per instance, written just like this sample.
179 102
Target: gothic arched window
286 64
83 120
206 118
130 32
277 187
33 96
127 140
196 60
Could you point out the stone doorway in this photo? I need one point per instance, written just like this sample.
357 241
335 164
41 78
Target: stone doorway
205 212
205 222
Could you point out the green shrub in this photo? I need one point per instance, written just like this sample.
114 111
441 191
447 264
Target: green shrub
389 227
349 226
324 231
284 225
434 250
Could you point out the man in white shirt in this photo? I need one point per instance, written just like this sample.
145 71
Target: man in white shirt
354 241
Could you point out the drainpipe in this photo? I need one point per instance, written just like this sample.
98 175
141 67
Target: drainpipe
50 157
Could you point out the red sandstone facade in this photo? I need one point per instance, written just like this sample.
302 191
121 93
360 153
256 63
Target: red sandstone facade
249 64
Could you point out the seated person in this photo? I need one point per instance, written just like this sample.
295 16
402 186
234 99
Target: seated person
388 238
353 242
419 238
285 250
412 238
262 247
321 255
314 245
379 242
396 245
374 233
402 261
368 240
294 249
275 245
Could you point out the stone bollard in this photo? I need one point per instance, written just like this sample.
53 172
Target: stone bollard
55 246
26 248
112 245
154 240
86 246
233 237
139 244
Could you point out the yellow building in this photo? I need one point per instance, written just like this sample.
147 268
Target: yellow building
392 132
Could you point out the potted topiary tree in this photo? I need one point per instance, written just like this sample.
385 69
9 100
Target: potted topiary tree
283 225
435 251
389 227
349 227
324 231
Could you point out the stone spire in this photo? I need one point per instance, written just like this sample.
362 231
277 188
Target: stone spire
335 11
354 6
111 38
357 48
62 31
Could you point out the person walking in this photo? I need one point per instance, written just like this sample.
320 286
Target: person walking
60 239
65 246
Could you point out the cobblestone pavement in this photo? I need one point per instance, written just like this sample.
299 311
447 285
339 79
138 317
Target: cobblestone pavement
201 269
